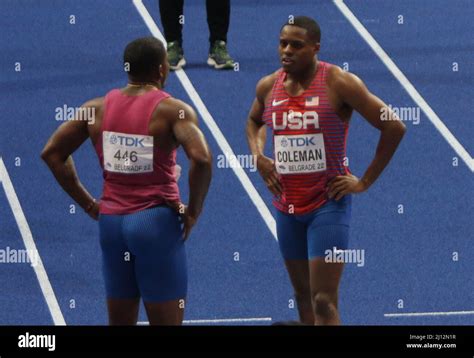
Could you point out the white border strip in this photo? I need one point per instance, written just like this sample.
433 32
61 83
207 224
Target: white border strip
221 320
29 242
212 125
424 314
411 90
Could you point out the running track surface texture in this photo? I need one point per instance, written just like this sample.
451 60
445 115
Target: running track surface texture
414 224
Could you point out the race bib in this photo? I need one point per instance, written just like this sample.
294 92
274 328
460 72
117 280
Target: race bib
299 154
127 153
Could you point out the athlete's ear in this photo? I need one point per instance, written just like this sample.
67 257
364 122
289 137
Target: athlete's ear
317 47
161 71
164 69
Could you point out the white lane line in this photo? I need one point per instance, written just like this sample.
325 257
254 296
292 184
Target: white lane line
221 320
29 242
212 125
424 314
411 90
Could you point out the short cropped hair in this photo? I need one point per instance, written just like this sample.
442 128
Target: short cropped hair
143 56
310 25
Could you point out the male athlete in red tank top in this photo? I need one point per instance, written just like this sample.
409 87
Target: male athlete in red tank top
135 131
307 104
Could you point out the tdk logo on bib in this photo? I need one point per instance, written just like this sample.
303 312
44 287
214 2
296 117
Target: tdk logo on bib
300 142
113 139
127 141
296 120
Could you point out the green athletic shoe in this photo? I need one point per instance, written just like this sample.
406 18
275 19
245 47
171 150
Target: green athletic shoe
219 57
175 55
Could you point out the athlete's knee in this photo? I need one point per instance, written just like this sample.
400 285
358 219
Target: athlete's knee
123 311
324 303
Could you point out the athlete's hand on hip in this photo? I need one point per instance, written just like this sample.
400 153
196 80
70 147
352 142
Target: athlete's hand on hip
177 206
266 168
187 218
188 222
345 184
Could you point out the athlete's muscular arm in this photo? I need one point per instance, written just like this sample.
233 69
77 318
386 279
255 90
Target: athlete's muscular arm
57 155
256 135
187 133
352 92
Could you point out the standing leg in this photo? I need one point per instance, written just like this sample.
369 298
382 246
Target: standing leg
170 12
327 231
293 247
168 313
298 270
118 268
325 279
123 311
218 17
155 237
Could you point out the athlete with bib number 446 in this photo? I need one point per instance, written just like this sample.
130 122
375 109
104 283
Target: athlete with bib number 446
135 131
307 104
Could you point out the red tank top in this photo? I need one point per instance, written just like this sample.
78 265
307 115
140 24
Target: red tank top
137 175
309 142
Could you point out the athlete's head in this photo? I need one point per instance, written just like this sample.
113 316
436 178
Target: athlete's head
299 43
146 61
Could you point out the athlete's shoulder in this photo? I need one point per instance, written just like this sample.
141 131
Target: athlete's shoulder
265 85
174 104
173 109
343 82
97 102
97 106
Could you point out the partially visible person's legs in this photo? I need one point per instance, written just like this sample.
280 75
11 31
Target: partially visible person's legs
218 18
155 238
171 13
293 247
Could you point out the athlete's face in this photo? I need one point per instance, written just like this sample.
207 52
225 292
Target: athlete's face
296 49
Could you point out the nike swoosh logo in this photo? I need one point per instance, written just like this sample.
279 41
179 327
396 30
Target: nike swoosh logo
277 103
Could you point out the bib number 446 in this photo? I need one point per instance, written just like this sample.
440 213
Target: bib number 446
126 156
127 153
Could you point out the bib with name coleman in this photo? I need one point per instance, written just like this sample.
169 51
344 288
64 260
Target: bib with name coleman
309 142
127 153
298 154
